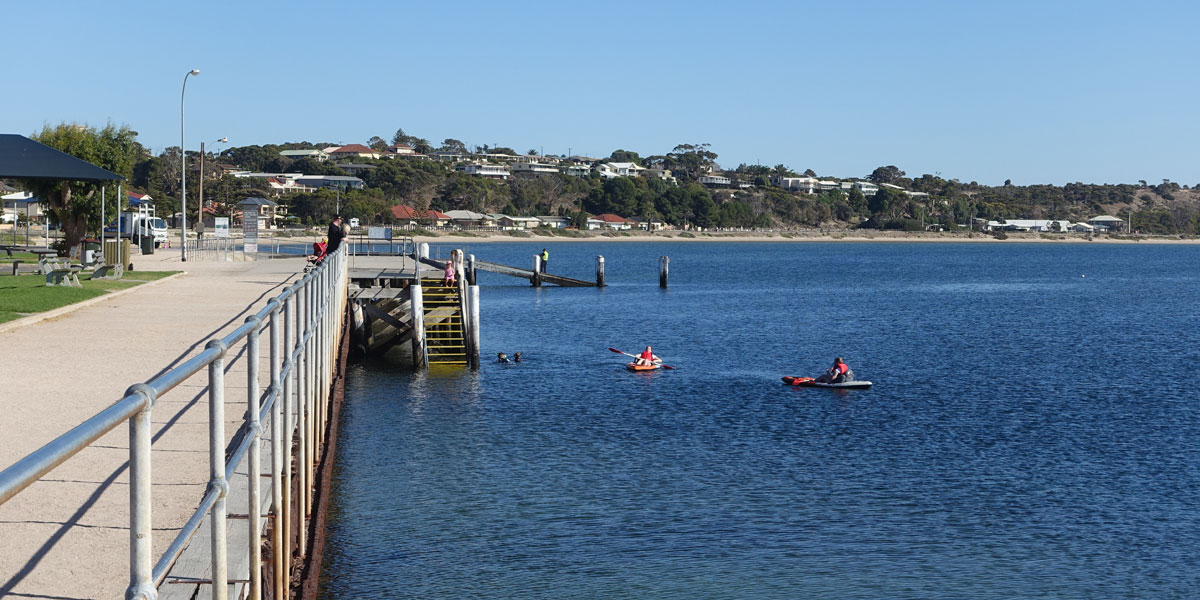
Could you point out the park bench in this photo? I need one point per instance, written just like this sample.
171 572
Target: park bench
62 273
108 272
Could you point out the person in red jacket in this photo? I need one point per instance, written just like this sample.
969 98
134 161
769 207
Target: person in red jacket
839 373
647 358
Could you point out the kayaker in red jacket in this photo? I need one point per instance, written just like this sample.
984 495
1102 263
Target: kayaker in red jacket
647 358
839 373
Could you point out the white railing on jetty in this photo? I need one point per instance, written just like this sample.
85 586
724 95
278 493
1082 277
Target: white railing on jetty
303 325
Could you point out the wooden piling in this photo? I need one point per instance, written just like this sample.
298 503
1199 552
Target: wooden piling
416 301
417 304
470 269
664 263
536 280
600 271
473 302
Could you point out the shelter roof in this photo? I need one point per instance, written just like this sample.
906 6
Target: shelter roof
255 201
24 158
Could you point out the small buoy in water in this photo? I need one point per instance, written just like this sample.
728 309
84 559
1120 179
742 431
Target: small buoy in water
1082 276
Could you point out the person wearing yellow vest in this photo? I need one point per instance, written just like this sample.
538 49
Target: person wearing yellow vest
545 259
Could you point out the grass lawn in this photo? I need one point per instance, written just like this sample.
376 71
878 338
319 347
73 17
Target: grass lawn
21 256
25 295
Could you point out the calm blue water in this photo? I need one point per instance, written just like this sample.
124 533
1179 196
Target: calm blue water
1033 431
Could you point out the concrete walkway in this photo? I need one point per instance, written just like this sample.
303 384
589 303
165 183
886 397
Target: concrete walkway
67 535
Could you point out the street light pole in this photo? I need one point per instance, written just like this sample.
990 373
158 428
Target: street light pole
183 170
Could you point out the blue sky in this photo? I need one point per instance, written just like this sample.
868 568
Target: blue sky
1036 92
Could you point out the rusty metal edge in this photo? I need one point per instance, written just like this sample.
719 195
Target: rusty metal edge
310 576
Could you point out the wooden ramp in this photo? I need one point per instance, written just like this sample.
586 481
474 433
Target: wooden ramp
483 265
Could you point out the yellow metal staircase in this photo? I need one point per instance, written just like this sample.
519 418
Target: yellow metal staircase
445 340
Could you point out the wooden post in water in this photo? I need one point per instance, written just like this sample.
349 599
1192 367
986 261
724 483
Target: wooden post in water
470 269
600 271
417 305
536 280
664 262
473 302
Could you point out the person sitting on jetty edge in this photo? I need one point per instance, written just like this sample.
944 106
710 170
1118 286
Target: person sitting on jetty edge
839 373
647 358
501 357
448 281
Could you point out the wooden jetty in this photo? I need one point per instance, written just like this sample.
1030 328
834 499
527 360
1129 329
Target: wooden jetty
534 277
403 309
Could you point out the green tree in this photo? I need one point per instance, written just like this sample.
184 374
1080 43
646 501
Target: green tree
889 174
453 145
625 156
76 204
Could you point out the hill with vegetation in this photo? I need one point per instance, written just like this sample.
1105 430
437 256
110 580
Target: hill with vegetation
750 200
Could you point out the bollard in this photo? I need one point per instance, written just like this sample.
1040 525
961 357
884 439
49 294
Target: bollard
536 280
600 271
664 263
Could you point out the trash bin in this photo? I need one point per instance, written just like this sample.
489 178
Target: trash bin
91 247
116 252
147 242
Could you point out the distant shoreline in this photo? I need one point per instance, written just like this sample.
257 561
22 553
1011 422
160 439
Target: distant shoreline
814 236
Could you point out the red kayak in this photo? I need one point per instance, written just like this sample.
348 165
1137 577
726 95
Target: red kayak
810 382
636 367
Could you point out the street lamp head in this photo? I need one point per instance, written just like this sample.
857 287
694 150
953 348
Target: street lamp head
195 71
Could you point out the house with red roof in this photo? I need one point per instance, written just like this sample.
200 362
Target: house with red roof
407 215
611 221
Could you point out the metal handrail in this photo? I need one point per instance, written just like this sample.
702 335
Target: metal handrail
309 310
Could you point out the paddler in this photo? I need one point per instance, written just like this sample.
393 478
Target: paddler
839 373
647 358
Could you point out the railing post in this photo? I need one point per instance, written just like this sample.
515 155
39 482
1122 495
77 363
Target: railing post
254 469
216 464
289 427
141 561
276 457
302 419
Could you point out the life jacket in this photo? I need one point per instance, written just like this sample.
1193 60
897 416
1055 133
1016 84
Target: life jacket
647 355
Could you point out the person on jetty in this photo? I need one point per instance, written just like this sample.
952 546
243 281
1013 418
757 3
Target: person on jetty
839 373
647 358
545 258
335 234
502 358
448 281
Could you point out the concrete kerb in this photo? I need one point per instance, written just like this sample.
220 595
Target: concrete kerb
63 310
